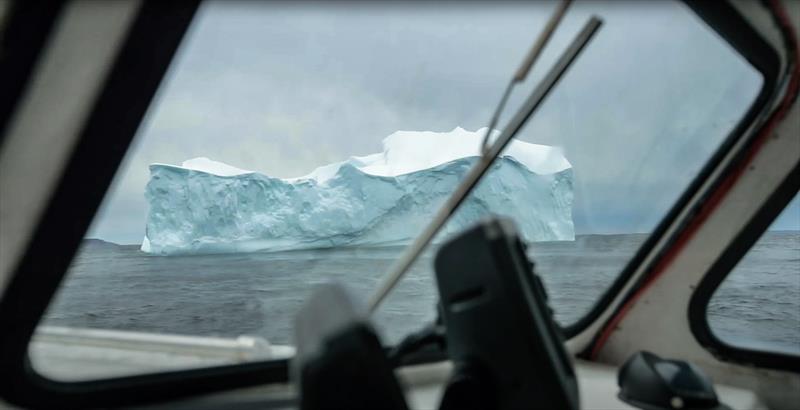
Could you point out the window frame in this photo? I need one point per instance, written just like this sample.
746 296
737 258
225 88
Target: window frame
23 35
115 118
722 267
725 20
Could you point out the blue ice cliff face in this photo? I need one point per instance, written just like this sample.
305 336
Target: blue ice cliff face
381 199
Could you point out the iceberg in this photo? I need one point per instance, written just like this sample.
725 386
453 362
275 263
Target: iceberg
205 206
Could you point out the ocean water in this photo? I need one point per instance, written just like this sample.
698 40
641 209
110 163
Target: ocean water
119 287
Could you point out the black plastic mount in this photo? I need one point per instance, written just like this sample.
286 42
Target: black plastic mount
649 382
500 330
340 363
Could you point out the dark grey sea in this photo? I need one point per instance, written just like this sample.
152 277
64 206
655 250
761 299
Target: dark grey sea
119 287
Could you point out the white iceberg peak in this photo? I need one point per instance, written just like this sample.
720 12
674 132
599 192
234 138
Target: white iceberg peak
405 152
213 167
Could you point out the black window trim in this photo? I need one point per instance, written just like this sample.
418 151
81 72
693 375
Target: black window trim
116 116
27 25
727 261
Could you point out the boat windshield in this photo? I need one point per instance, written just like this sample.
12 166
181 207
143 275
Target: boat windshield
293 144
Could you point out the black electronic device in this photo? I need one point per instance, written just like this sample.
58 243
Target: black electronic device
649 382
340 363
500 332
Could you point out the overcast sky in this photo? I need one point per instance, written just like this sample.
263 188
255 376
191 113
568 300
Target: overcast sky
282 89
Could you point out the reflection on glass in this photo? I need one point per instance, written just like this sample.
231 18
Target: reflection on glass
292 145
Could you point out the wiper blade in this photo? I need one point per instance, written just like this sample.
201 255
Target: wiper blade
525 67
485 160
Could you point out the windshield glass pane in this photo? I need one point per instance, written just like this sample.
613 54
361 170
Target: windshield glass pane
293 144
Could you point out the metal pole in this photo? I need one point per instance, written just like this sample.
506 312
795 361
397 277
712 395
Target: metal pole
476 172
525 67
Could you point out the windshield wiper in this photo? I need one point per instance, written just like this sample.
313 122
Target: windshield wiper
525 68
493 151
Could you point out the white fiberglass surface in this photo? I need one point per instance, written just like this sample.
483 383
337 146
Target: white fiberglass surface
294 144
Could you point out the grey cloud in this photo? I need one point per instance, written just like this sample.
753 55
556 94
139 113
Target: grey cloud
282 89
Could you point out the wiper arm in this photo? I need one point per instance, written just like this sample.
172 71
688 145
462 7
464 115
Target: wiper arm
485 160
525 67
